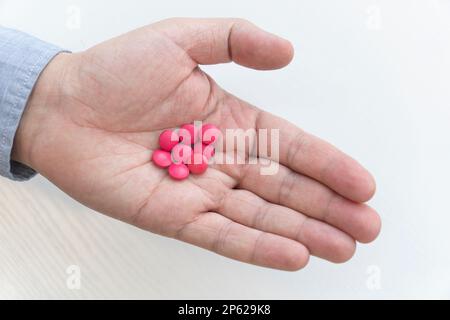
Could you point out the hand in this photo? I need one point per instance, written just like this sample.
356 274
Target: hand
94 118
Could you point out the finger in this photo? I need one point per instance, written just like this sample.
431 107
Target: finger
298 150
321 239
211 41
306 195
217 233
318 159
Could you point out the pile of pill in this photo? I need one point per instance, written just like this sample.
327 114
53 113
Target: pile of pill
186 150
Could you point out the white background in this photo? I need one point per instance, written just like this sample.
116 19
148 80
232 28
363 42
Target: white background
372 77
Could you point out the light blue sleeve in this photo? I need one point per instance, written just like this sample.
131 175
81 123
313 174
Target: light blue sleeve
22 59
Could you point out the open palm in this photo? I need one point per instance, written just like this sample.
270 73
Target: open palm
98 129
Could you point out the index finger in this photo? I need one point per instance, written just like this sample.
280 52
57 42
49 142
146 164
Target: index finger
298 150
318 159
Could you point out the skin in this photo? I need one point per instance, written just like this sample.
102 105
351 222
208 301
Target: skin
94 118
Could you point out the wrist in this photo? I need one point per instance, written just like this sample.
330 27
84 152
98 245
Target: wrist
42 106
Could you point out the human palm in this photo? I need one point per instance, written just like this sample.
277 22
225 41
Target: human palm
100 113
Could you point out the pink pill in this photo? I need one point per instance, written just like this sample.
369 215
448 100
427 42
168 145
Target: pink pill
210 133
208 150
178 171
198 164
188 134
181 153
162 158
168 139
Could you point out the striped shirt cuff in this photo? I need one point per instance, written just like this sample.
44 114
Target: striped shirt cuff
22 59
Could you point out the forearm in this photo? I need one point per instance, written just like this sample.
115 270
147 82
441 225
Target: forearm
22 60
39 112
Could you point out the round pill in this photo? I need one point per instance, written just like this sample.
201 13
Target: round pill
208 150
181 153
198 163
168 139
162 158
178 171
188 134
210 133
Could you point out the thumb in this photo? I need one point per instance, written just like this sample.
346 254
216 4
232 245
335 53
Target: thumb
211 41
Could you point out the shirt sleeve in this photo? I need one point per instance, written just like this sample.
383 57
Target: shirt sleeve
22 59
